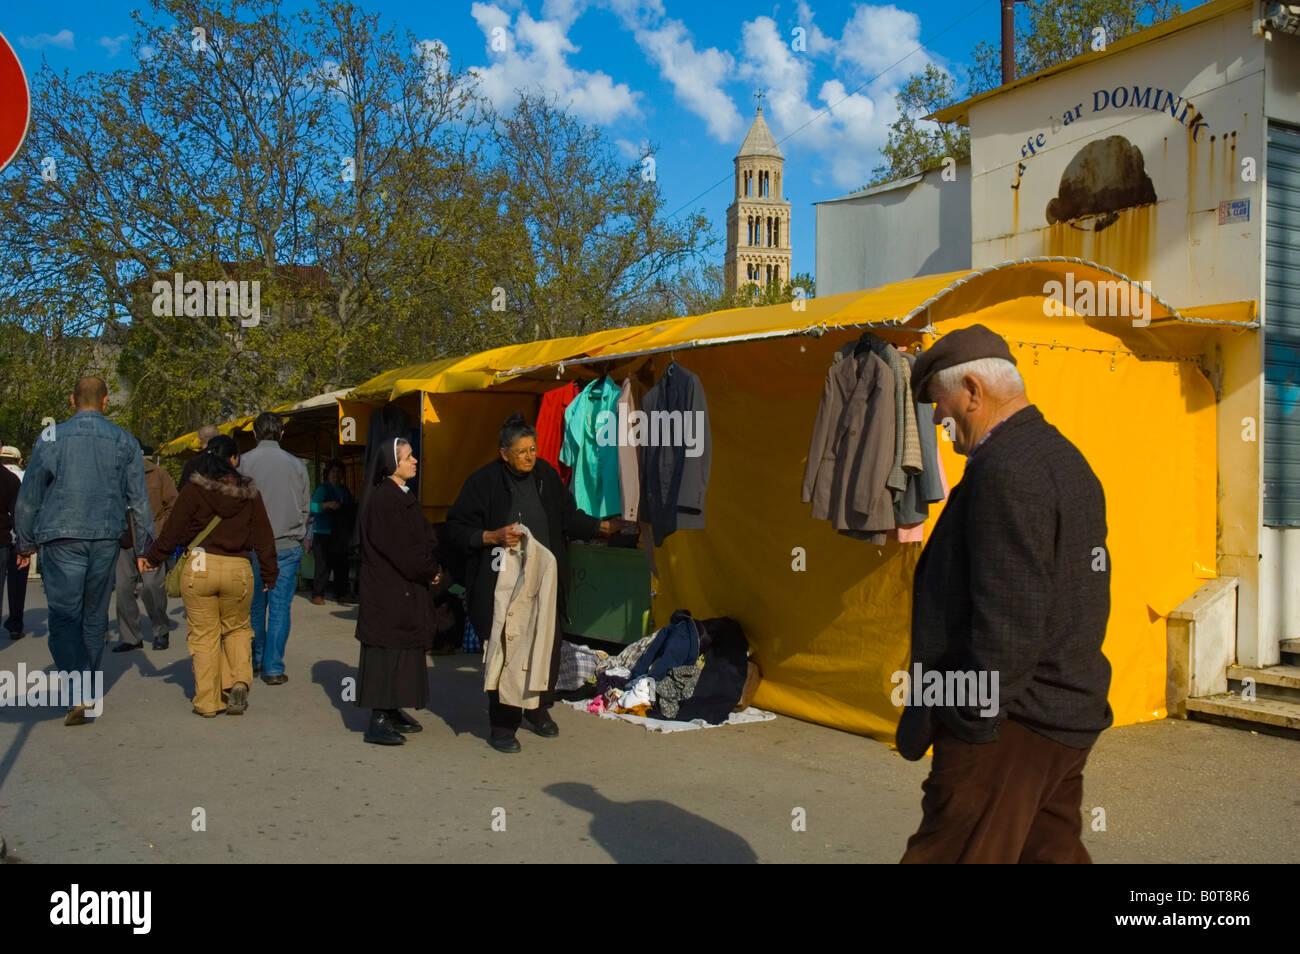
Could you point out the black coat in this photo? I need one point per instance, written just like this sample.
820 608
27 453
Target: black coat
397 566
1013 581
484 504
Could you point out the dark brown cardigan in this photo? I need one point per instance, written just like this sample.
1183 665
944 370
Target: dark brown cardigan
244 524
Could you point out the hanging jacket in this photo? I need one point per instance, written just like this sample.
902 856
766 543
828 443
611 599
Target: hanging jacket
852 447
673 483
550 426
629 461
925 487
517 656
588 449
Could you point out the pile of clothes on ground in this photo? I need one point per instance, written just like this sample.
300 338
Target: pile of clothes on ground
690 669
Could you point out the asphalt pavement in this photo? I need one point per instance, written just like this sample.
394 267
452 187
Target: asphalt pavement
292 781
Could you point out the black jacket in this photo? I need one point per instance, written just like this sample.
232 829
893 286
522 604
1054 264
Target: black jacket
397 566
484 504
1015 580
9 484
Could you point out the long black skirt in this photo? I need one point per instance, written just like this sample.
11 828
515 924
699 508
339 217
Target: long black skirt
392 678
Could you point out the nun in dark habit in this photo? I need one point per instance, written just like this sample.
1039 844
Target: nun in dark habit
398 578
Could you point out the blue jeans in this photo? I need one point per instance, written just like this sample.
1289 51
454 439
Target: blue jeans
270 612
78 578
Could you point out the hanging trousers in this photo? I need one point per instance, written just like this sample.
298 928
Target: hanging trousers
1014 800
508 717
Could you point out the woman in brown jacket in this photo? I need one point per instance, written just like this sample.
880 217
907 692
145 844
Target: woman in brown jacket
217 580
395 622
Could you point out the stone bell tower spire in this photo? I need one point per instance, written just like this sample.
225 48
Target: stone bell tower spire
758 220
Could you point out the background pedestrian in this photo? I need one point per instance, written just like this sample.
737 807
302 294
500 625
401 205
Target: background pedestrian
282 480
153 590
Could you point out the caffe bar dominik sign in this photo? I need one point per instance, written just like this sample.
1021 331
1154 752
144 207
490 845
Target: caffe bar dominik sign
1167 104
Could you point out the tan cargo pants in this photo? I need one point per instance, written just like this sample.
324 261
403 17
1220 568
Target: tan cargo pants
218 592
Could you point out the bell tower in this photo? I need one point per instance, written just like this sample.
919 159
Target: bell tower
758 220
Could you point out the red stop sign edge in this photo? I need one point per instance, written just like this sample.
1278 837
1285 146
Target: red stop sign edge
11 76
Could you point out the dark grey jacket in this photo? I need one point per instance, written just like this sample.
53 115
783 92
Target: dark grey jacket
1015 580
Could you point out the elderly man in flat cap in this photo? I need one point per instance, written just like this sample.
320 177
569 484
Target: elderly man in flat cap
1012 593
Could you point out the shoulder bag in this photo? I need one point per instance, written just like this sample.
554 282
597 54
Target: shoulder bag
173 579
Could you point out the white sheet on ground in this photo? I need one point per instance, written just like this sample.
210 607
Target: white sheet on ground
669 725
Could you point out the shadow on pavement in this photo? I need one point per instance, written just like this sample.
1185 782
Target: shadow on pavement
329 675
653 831
34 625
456 694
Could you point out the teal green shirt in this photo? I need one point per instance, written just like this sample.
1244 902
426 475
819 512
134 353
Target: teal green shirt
595 465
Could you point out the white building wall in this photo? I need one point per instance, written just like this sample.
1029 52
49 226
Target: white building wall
919 226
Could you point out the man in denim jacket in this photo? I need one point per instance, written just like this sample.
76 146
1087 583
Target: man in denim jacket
83 477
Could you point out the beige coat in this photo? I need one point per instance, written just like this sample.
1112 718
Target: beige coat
629 463
517 656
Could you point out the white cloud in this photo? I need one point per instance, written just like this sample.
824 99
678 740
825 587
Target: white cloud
148 52
818 43
63 40
876 38
847 129
695 75
628 149
113 44
536 56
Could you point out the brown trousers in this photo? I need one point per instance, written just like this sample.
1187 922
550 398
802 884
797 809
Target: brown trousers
217 600
1014 800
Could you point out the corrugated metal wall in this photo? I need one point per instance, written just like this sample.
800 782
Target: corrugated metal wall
1282 330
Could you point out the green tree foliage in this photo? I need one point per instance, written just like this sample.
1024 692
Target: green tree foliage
915 145
703 290
352 172
590 230
1047 33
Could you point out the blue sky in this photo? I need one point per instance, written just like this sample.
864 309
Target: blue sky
679 75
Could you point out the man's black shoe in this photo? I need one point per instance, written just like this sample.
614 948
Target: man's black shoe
16 634
544 727
127 647
276 680
161 642
403 723
504 743
381 731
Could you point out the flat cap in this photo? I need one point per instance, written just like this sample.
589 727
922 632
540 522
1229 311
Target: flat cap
956 347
